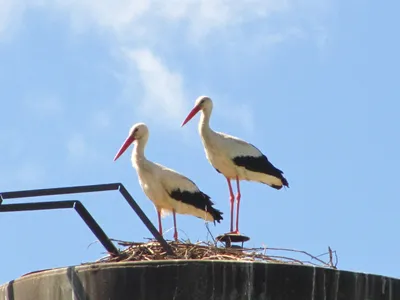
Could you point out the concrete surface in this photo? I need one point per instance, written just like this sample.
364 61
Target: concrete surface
196 279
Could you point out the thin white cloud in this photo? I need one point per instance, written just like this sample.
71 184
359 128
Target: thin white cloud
30 174
44 105
15 170
163 97
141 26
81 150
9 10
117 16
23 175
208 16
239 114
100 120
12 145
11 14
147 20
279 37
77 147
130 18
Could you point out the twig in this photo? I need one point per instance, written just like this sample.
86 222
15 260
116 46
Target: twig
330 256
299 251
336 259
92 243
209 231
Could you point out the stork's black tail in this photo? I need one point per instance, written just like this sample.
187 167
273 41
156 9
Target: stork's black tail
283 179
285 182
215 213
199 200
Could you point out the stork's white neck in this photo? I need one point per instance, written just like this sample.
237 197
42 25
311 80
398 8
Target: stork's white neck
204 123
138 157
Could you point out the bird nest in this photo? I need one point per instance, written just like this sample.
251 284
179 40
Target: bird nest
152 250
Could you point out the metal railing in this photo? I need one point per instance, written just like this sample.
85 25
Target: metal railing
82 211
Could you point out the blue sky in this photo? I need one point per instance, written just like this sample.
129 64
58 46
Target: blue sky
310 83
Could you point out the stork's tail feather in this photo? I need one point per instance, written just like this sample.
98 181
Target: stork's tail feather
278 187
215 213
285 182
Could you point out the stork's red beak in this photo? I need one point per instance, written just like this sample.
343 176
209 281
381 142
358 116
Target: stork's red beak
125 146
194 111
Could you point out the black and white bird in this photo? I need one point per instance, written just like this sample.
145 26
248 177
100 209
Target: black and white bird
167 189
233 157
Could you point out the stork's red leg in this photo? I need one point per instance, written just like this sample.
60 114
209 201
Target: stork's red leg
175 230
232 198
159 221
238 196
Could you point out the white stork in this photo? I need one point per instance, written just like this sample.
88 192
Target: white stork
167 189
233 157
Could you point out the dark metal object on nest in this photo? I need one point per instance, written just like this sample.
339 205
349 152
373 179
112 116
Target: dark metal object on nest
93 188
229 238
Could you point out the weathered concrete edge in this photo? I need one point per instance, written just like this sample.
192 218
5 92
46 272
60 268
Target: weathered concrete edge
162 263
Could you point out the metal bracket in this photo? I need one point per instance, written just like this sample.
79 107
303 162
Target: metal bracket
80 209
88 189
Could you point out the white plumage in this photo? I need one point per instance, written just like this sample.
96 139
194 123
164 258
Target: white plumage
167 189
233 157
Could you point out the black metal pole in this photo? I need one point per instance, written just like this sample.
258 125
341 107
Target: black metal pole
96 229
145 220
80 209
61 191
37 206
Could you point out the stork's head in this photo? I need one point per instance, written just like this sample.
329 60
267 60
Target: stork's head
136 133
202 103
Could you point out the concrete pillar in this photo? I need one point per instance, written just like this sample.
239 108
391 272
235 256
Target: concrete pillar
196 279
